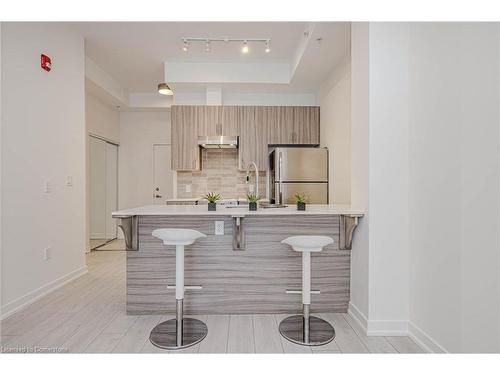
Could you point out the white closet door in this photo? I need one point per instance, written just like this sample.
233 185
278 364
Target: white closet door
97 149
111 189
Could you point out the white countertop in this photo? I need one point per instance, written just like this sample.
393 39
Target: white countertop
184 199
166 210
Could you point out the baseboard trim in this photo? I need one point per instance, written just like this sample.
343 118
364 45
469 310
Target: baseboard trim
426 342
357 316
387 328
394 328
377 327
26 300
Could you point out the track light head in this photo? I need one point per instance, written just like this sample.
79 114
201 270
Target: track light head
185 47
207 46
268 48
245 48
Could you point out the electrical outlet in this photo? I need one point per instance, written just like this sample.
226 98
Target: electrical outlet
219 228
250 188
47 253
188 188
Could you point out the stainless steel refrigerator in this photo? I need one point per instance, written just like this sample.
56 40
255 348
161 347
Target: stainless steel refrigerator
301 170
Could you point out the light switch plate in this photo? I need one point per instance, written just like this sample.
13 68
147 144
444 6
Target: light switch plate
47 253
188 188
219 228
69 180
46 186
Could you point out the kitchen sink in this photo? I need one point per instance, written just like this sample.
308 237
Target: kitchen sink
274 205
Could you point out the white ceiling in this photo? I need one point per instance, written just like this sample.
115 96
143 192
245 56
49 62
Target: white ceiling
134 52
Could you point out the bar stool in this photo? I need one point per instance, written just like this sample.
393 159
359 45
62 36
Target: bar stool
306 329
180 332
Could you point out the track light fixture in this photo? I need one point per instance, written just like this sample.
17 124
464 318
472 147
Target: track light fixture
245 48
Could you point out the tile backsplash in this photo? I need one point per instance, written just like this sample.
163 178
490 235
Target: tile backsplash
219 174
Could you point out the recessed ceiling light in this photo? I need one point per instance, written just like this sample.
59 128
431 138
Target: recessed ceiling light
165 89
244 48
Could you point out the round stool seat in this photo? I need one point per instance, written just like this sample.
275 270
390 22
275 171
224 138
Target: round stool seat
174 236
308 243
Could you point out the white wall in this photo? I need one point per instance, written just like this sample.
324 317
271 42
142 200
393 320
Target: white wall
335 130
359 170
379 268
138 132
43 138
388 175
454 185
430 243
102 119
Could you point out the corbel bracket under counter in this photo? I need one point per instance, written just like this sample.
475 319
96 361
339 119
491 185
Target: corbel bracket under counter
129 226
348 224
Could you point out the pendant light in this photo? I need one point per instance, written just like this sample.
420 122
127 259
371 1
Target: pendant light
164 89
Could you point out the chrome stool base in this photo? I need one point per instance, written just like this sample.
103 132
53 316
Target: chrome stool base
320 331
164 335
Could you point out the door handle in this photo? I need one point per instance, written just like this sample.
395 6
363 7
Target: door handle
157 196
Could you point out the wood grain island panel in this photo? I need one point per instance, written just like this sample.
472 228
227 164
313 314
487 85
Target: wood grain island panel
252 281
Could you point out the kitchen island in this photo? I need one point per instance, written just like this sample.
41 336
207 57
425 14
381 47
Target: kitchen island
243 268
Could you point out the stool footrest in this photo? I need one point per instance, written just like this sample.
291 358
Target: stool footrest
187 287
293 291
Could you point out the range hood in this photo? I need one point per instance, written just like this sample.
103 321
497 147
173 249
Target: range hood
218 141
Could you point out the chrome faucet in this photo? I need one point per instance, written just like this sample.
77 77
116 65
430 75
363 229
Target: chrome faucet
256 176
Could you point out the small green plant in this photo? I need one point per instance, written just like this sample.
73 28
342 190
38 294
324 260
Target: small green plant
212 197
253 198
300 198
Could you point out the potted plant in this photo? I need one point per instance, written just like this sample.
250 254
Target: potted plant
301 201
212 199
252 201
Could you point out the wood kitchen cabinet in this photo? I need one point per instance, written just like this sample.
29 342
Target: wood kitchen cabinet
305 125
184 128
209 120
256 126
253 137
217 120
229 120
297 125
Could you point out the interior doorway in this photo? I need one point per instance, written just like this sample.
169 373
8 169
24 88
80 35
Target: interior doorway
103 168
163 186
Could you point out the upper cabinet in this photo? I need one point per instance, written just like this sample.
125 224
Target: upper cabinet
257 127
184 128
230 125
209 120
297 125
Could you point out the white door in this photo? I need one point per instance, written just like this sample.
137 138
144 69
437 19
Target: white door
162 174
